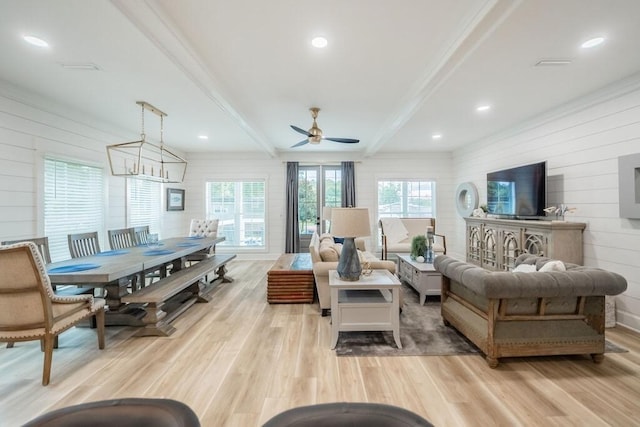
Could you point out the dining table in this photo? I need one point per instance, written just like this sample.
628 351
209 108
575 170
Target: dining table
115 270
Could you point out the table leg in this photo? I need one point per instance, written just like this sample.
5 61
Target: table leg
115 292
335 322
395 316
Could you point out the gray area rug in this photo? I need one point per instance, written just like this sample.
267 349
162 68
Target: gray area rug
422 333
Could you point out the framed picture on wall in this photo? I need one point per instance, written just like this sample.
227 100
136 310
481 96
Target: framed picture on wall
175 199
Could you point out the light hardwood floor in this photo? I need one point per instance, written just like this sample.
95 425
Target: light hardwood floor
237 361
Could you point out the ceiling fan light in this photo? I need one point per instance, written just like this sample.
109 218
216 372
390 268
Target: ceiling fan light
315 139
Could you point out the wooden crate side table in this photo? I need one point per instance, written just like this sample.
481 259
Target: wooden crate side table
290 280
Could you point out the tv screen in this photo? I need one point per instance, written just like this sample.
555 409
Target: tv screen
518 192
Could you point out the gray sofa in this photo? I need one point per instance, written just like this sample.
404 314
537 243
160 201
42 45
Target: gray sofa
508 314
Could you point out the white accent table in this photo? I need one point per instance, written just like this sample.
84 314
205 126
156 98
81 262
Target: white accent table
369 304
421 276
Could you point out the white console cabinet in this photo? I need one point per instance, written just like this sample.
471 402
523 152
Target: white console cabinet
495 244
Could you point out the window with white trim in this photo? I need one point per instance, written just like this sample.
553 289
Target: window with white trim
406 198
145 203
73 203
240 207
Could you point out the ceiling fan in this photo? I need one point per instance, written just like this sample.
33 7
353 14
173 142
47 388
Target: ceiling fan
314 135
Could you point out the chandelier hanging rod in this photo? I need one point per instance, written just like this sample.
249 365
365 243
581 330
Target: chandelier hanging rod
149 107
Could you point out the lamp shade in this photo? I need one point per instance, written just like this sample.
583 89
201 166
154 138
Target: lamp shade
350 222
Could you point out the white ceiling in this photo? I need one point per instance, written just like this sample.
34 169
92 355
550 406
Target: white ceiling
242 71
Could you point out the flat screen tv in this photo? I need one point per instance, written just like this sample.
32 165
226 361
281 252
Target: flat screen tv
518 193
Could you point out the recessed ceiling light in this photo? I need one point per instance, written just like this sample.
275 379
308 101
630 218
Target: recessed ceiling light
436 136
36 41
203 137
483 108
593 42
319 42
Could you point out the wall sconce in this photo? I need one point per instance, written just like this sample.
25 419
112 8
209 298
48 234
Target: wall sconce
145 160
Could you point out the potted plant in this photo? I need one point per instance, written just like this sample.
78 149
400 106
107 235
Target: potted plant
418 246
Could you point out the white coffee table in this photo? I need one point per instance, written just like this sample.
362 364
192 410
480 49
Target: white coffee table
369 304
421 276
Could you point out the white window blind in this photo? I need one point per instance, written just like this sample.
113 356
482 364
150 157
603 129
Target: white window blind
145 203
240 207
73 203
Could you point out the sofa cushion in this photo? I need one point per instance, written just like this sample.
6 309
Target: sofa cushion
525 268
555 265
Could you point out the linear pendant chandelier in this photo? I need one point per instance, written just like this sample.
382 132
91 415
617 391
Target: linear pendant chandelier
145 160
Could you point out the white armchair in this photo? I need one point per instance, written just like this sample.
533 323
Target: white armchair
397 234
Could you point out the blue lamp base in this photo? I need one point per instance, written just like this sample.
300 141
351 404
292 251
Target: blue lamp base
349 267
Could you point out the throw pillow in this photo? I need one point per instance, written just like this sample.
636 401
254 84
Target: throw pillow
525 268
324 236
553 266
328 254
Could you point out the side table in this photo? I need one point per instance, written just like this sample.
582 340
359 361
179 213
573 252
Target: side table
421 276
369 304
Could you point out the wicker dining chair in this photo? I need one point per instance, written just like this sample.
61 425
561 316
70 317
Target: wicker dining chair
31 310
83 244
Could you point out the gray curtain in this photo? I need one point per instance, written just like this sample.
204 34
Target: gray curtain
292 231
348 185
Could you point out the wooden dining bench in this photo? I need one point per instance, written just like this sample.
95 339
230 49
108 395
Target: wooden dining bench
167 298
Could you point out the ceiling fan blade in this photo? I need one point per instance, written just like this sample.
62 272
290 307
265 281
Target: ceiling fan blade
300 130
345 140
304 141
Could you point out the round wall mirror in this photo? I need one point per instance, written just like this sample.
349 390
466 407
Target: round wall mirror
466 199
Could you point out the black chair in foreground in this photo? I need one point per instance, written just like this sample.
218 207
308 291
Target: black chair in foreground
128 412
348 414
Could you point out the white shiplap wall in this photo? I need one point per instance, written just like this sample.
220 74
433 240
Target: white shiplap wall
581 144
203 167
31 128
